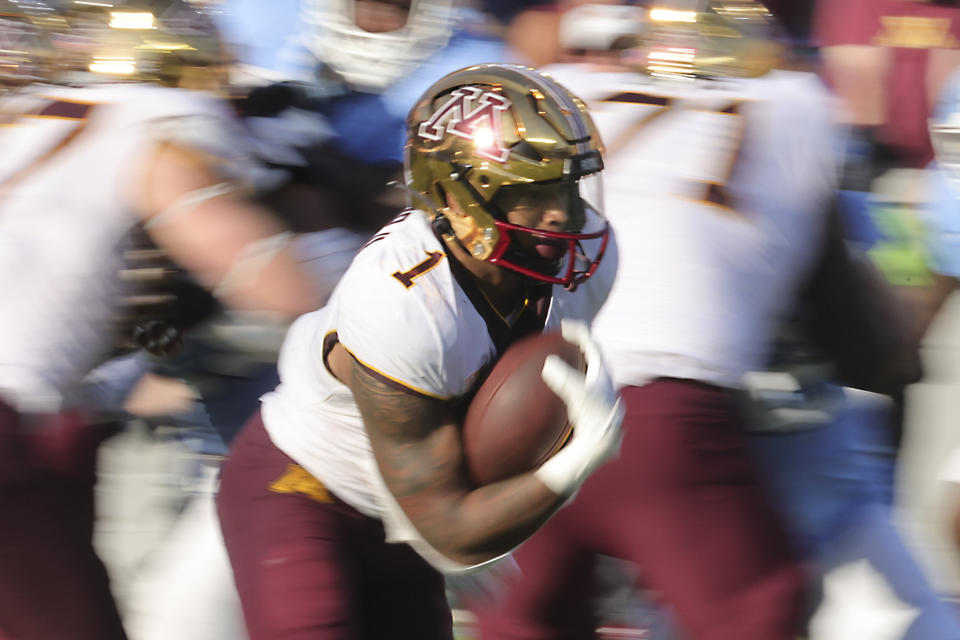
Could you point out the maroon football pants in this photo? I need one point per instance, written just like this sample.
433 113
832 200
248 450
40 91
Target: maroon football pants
310 567
52 584
682 501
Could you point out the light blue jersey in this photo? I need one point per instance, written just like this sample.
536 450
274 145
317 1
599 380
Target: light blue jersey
943 214
268 42
264 39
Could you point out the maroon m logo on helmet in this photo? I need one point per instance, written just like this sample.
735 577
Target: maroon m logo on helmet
472 114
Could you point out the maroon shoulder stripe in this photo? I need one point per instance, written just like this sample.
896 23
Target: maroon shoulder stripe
65 109
634 97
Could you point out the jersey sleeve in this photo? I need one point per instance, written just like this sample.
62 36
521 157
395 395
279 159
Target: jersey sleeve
405 335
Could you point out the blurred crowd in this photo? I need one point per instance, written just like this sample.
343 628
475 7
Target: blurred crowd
180 181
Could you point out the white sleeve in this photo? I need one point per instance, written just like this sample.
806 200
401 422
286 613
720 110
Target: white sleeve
405 335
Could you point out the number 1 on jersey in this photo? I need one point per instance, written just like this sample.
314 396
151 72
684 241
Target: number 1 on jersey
407 277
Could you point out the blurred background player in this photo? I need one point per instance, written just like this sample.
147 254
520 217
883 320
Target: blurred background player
721 173
942 225
829 452
941 215
888 61
341 506
358 64
82 167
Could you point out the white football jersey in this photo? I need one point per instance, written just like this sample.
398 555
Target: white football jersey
718 192
71 160
404 310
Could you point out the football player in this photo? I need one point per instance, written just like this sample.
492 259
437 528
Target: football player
81 167
719 176
344 501
941 215
360 64
943 222
324 88
888 61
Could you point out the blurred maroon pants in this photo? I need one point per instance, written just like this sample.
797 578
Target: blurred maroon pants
310 567
52 584
682 501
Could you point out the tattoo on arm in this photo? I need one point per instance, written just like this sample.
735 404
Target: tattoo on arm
402 426
416 441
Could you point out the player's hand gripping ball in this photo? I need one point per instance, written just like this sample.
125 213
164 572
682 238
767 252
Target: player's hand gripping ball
515 422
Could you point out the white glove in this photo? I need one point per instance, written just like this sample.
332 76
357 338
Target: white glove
593 409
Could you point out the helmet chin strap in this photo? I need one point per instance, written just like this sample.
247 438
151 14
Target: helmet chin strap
441 225
439 222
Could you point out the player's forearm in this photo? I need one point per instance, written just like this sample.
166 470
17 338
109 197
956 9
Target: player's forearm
228 243
488 521
419 452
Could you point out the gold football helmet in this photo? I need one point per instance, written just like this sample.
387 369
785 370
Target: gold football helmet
711 38
170 42
493 137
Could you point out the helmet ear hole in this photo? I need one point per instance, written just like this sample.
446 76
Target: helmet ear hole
484 180
441 225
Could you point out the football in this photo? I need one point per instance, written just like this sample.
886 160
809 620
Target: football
515 422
